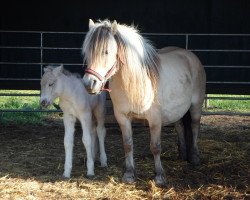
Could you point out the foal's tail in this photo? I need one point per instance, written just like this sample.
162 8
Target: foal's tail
187 120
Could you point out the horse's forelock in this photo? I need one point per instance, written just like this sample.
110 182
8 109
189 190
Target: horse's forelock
96 42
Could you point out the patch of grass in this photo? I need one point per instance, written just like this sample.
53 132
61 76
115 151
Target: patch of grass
24 103
31 103
229 105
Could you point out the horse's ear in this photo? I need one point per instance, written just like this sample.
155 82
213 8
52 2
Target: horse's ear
91 24
58 70
114 27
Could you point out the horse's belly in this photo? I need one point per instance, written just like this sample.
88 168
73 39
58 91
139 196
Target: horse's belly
173 113
175 94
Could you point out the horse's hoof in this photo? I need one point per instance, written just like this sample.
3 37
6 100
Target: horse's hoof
194 160
182 153
183 156
90 176
128 177
160 181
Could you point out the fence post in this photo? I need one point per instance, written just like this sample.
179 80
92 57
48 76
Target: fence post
206 102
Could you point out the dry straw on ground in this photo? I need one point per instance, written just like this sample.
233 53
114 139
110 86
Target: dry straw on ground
32 157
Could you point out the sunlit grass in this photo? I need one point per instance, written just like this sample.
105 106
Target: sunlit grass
228 105
21 103
31 103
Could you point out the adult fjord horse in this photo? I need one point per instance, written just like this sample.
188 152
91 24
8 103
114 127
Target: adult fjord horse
162 87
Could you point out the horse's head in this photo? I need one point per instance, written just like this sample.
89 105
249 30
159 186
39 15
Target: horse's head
50 88
100 54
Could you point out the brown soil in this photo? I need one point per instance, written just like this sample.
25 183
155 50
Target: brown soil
32 159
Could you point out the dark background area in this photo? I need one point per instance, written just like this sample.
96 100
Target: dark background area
171 16
226 57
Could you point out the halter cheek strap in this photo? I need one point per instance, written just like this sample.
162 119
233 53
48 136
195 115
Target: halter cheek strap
101 78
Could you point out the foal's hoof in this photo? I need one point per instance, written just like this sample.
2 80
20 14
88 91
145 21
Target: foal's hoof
66 176
103 161
160 180
104 165
128 177
91 177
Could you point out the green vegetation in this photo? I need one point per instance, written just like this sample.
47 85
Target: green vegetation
31 103
216 105
22 103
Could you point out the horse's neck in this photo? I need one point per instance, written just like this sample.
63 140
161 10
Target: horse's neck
121 98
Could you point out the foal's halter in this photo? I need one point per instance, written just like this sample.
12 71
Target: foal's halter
101 78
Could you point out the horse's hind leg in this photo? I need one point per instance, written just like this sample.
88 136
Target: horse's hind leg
195 113
179 127
69 125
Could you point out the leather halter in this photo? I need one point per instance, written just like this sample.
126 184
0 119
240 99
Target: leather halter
101 78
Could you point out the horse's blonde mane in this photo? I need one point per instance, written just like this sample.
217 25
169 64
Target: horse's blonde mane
138 61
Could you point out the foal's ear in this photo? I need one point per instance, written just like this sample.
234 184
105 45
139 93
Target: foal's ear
114 27
47 69
58 70
91 24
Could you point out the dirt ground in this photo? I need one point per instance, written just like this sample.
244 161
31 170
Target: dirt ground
32 159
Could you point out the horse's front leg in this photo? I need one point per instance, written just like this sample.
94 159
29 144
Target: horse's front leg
125 125
155 146
86 123
69 125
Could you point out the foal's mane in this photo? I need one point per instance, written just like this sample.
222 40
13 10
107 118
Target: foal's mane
138 61
64 71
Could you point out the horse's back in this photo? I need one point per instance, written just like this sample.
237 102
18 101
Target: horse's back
182 60
167 49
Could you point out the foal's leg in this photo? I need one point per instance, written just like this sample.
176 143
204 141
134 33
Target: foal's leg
125 125
179 127
155 145
101 133
94 141
69 125
86 123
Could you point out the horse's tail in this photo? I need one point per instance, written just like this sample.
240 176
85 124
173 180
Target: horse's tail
187 120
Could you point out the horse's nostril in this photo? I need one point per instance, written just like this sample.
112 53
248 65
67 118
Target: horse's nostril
94 83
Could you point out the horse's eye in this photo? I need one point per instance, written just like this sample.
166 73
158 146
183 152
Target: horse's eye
51 84
106 52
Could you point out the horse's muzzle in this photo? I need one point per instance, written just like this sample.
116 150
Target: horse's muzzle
92 85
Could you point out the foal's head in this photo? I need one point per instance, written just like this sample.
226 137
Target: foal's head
50 89
100 53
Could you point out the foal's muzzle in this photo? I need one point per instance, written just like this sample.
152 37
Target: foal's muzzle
44 103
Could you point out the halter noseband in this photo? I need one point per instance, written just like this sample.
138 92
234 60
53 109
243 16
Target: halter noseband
100 77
